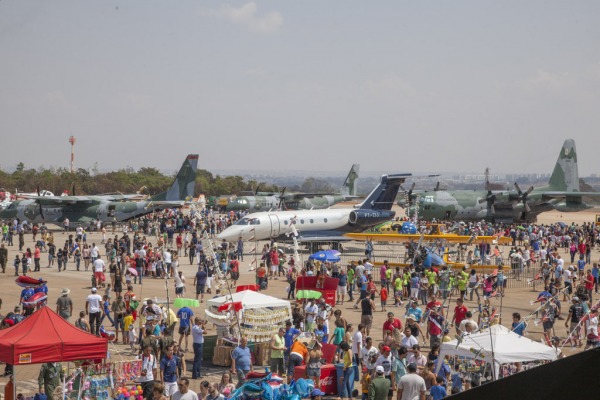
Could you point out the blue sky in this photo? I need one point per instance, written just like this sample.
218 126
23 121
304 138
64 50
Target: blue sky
306 85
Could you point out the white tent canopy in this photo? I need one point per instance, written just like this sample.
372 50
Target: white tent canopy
251 299
506 346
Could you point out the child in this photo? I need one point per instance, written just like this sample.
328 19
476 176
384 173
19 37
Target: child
518 326
108 291
384 295
438 391
132 337
16 263
127 278
365 382
24 264
457 380
127 325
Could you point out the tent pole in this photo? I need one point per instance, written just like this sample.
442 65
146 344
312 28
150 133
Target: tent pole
14 378
494 377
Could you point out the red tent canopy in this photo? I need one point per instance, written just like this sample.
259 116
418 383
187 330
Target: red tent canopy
46 337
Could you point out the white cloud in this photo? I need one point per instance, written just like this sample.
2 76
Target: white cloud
247 16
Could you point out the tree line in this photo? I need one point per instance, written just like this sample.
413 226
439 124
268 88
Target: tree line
89 182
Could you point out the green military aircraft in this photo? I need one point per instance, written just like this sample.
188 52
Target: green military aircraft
296 201
106 208
562 194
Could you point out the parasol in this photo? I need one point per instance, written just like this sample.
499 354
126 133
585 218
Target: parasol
308 294
181 302
326 255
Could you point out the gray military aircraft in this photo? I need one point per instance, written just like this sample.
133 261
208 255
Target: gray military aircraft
296 201
106 208
562 193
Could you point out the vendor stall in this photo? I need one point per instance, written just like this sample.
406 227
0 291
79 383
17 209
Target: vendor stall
497 346
260 316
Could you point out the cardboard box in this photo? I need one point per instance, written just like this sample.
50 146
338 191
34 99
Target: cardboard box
262 353
222 356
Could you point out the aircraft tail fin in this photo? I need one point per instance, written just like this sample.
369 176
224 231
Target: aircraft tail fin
184 184
348 187
565 176
384 194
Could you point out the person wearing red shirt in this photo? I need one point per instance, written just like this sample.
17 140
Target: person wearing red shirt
391 323
589 283
460 313
433 304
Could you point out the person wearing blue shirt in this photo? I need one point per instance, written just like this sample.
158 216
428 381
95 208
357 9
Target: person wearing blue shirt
581 265
444 371
289 336
518 326
241 361
198 344
438 391
168 371
415 310
185 315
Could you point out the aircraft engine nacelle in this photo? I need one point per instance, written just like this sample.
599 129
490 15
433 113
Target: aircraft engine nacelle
368 218
569 206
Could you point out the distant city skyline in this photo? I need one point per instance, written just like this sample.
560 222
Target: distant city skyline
400 86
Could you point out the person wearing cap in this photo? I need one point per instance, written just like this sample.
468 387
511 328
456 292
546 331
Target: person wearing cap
379 386
385 361
64 304
93 310
411 385
576 312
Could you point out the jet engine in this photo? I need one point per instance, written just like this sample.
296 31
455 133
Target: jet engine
368 218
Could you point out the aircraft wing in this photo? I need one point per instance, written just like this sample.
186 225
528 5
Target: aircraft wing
322 238
556 194
63 200
403 237
298 196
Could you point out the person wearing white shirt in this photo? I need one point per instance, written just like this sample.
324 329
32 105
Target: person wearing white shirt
409 340
94 252
92 308
99 268
167 259
369 354
311 312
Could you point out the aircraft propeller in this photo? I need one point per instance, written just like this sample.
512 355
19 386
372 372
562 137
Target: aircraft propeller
282 205
409 194
522 197
490 199
40 204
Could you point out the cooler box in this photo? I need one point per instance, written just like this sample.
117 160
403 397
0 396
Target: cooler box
328 290
329 383
339 368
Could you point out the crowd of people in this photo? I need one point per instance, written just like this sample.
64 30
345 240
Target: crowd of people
432 301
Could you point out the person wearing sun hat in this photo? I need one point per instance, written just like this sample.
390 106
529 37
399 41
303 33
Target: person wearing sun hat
316 394
64 304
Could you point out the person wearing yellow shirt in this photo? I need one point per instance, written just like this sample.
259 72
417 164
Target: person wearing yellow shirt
127 322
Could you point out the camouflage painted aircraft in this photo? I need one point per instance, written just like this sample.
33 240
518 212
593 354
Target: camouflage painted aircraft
106 208
296 201
562 193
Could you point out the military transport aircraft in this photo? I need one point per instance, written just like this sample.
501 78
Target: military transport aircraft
562 194
106 208
320 225
296 201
